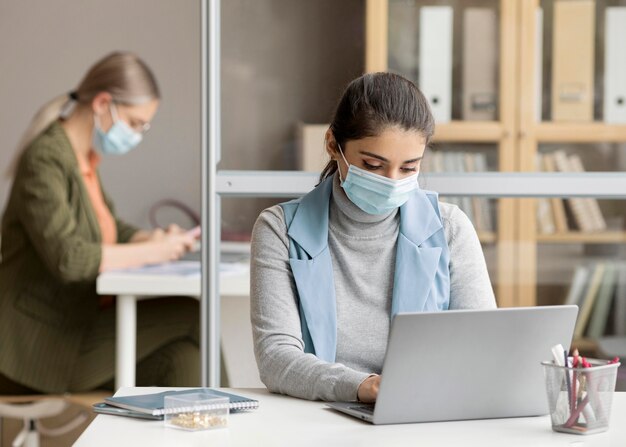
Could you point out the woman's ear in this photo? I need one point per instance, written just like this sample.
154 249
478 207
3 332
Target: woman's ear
101 102
330 144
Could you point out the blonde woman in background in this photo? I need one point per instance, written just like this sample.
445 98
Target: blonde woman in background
60 230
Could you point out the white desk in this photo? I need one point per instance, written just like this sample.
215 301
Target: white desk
131 287
285 421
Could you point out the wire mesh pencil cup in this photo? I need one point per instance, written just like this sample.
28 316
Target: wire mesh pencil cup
580 398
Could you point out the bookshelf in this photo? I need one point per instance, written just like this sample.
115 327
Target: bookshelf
593 132
533 133
500 132
517 133
578 237
469 132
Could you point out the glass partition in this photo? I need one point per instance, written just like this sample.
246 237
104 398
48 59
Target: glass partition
284 63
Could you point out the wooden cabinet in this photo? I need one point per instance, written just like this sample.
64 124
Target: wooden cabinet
517 132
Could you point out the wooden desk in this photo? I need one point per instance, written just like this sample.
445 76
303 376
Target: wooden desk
286 421
131 286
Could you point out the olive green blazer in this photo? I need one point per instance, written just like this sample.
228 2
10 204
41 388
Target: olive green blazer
51 253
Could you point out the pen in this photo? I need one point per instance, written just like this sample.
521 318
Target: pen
195 232
574 380
569 383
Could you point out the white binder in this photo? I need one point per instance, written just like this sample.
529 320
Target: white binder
615 65
480 66
435 59
539 64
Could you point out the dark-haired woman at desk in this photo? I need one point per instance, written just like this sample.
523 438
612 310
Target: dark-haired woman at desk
60 230
329 270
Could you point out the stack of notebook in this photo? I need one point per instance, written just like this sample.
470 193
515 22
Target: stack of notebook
151 406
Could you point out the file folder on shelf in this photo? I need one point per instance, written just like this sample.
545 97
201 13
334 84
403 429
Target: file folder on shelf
539 64
435 59
479 64
615 65
573 60
311 155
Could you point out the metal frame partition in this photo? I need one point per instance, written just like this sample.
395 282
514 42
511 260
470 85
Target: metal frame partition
216 184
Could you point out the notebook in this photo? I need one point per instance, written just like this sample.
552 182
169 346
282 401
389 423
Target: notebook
153 404
104 408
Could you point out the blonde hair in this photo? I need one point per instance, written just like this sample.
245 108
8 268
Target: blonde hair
123 75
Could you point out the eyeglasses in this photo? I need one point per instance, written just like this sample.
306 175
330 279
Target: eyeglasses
139 126
136 124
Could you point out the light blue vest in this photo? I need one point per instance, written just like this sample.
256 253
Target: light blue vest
421 279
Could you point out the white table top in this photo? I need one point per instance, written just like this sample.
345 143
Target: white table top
286 421
233 282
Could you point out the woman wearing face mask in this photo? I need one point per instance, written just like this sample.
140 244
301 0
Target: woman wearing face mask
59 231
329 270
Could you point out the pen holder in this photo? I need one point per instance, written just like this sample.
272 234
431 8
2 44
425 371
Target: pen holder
196 411
580 398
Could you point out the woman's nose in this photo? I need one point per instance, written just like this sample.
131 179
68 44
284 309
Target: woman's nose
393 174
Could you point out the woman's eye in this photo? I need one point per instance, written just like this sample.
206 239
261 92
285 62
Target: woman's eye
413 169
371 167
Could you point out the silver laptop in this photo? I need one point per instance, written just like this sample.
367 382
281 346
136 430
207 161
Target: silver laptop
466 364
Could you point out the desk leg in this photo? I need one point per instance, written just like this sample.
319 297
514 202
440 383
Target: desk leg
126 341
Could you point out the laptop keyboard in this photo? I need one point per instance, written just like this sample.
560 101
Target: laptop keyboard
369 409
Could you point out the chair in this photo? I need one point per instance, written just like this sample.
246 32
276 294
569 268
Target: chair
30 409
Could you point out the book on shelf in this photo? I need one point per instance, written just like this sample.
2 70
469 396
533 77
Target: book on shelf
593 208
573 60
619 322
311 153
448 161
477 209
539 64
578 286
600 314
615 65
435 163
558 207
585 211
588 301
480 53
544 216
486 222
435 59
459 166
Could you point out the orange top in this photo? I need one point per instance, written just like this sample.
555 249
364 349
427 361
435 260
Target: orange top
88 169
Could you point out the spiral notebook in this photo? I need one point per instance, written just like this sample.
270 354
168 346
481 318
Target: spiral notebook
153 404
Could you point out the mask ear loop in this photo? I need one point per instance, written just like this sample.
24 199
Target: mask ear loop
114 116
344 159
96 122
113 112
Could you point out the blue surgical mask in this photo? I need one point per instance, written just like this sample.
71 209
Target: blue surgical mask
120 138
373 193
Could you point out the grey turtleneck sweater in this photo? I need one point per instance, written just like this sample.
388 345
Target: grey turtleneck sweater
362 248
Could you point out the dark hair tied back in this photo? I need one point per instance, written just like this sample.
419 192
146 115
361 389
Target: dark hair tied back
375 102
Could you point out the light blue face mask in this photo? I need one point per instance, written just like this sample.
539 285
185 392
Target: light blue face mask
120 138
373 193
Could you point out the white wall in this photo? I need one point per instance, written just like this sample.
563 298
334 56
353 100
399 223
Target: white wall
47 46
